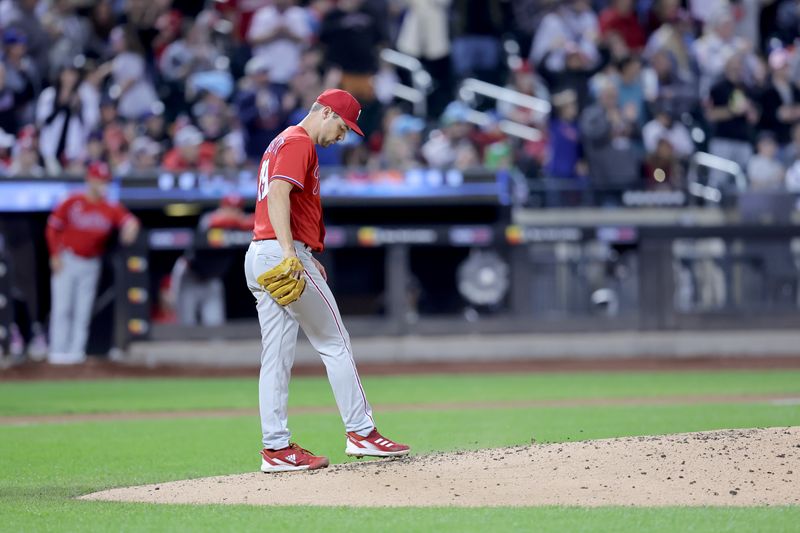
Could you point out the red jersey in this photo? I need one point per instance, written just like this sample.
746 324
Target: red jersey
291 157
174 161
83 226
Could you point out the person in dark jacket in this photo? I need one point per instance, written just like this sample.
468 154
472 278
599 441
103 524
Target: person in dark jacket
197 289
780 102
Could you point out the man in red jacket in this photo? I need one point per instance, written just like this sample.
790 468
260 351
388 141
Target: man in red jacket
77 232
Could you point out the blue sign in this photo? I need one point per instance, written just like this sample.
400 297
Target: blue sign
32 195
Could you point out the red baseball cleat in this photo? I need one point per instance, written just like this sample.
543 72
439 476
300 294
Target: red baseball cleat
291 458
374 445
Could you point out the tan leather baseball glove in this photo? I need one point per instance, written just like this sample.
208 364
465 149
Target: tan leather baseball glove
281 281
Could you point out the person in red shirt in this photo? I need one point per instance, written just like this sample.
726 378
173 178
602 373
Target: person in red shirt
191 152
77 233
620 18
288 224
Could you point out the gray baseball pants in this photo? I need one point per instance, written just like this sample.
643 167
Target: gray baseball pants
317 313
73 290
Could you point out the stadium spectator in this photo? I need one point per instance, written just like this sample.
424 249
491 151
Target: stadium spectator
787 22
720 42
524 80
77 231
95 149
663 126
154 126
240 13
567 38
351 35
705 11
230 152
304 87
144 157
620 20
673 40
401 147
424 34
196 280
170 29
108 111
191 54
732 113
630 88
499 155
25 156
140 20
7 141
477 27
131 87
746 14
451 145
608 133
102 20
662 167
258 107
791 152
21 75
191 152
69 34
115 146
663 12
278 33
765 172
671 85
65 115
8 105
212 116
565 153
780 101
793 178
21 15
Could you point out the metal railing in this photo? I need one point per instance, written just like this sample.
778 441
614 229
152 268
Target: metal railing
421 81
711 191
471 88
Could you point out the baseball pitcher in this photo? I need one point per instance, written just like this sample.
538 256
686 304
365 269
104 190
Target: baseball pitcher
291 291
77 231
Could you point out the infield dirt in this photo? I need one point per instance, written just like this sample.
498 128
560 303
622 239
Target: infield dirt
730 467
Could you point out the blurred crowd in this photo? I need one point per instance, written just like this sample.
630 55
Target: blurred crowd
636 86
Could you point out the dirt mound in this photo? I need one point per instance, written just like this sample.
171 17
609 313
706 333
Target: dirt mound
730 467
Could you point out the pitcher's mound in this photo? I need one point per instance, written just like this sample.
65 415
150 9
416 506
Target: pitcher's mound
731 467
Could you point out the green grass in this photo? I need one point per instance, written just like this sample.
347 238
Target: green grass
43 466
183 394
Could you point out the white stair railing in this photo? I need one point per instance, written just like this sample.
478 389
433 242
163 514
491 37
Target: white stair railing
711 191
471 88
421 81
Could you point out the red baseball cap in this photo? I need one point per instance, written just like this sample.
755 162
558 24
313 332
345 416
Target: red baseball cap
343 104
98 171
232 200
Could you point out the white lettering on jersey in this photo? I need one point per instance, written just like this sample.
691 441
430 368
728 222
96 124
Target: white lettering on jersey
88 220
263 180
316 180
263 173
